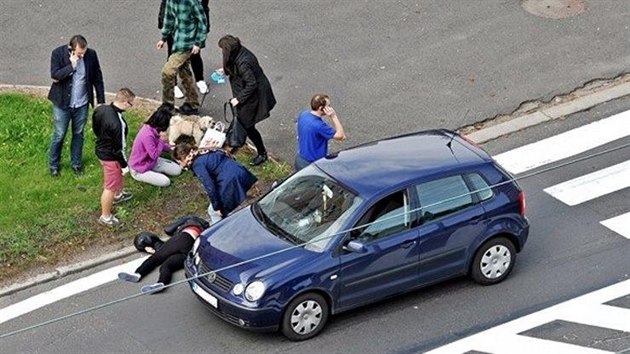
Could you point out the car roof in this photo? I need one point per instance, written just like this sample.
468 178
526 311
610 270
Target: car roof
374 167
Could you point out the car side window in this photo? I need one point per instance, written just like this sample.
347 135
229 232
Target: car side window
480 186
443 196
387 216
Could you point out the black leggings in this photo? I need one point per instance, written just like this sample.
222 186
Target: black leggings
256 138
171 256
195 60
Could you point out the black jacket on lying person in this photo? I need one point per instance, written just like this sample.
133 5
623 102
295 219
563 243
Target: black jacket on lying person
172 253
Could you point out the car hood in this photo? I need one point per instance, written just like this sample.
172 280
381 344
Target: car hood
240 245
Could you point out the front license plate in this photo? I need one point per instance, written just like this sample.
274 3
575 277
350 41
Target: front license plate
204 295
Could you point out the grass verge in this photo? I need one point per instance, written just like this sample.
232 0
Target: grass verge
44 220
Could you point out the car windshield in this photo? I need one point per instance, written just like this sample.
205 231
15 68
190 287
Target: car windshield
308 208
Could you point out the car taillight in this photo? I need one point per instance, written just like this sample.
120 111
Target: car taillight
521 203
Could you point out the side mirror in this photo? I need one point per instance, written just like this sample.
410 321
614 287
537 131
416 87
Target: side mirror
274 184
355 246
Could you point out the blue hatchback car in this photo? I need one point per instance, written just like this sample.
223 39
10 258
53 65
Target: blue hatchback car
359 226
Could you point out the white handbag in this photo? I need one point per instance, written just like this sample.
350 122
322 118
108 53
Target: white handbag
215 133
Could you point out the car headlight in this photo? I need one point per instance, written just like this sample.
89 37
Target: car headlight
196 245
255 291
238 289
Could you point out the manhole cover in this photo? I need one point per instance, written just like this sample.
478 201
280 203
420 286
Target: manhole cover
554 8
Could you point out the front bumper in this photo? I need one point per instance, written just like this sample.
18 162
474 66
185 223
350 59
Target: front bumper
255 319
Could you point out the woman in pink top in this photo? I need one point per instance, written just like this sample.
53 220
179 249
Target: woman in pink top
145 163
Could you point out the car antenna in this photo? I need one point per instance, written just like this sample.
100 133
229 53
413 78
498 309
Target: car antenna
450 142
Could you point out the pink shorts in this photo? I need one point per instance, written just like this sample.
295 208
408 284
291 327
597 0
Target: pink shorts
112 176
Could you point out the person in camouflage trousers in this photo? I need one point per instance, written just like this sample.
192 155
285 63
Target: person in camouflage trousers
185 22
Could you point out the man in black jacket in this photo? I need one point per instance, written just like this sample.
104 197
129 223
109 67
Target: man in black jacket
110 129
76 73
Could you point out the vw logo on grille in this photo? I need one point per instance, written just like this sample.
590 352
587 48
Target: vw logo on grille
212 276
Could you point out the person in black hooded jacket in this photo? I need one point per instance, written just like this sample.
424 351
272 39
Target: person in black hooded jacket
253 97
110 129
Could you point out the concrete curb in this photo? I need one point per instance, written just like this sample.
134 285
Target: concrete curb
551 112
488 132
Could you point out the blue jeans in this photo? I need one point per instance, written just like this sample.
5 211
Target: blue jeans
214 217
62 118
300 163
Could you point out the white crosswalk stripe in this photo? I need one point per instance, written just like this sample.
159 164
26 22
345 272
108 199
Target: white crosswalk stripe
587 309
592 185
567 144
619 224
590 310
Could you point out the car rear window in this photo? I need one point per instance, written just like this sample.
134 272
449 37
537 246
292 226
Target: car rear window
480 186
443 196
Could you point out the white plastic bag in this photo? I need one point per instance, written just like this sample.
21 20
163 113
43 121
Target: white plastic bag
215 133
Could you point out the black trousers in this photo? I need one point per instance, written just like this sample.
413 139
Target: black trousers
196 63
256 138
170 256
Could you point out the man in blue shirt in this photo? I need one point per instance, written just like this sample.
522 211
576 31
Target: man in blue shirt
313 132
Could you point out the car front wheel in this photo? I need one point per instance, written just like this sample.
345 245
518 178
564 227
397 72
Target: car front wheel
493 261
305 317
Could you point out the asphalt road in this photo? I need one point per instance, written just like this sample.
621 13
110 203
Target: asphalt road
391 66
568 254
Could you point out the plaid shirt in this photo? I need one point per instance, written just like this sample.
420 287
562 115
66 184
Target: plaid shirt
186 22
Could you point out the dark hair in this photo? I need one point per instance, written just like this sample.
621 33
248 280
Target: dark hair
181 151
124 95
160 119
230 46
319 101
77 41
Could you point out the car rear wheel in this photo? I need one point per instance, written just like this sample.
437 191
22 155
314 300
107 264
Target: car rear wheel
493 261
305 317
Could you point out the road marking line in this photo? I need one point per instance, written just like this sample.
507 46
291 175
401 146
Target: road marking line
565 145
619 224
592 185
601 316
510 343
503 336
67 290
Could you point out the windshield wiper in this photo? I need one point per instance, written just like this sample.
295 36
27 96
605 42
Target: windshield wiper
271 226
258 214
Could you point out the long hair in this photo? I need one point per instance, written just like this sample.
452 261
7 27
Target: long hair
230 46
160 119
181 151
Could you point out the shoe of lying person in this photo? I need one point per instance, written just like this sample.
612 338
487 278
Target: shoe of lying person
152 288
132 277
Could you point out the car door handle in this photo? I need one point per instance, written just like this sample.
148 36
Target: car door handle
408 244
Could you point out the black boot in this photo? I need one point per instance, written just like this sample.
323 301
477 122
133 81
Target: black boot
259 160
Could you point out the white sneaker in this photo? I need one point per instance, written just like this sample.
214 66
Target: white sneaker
178 92
203 87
